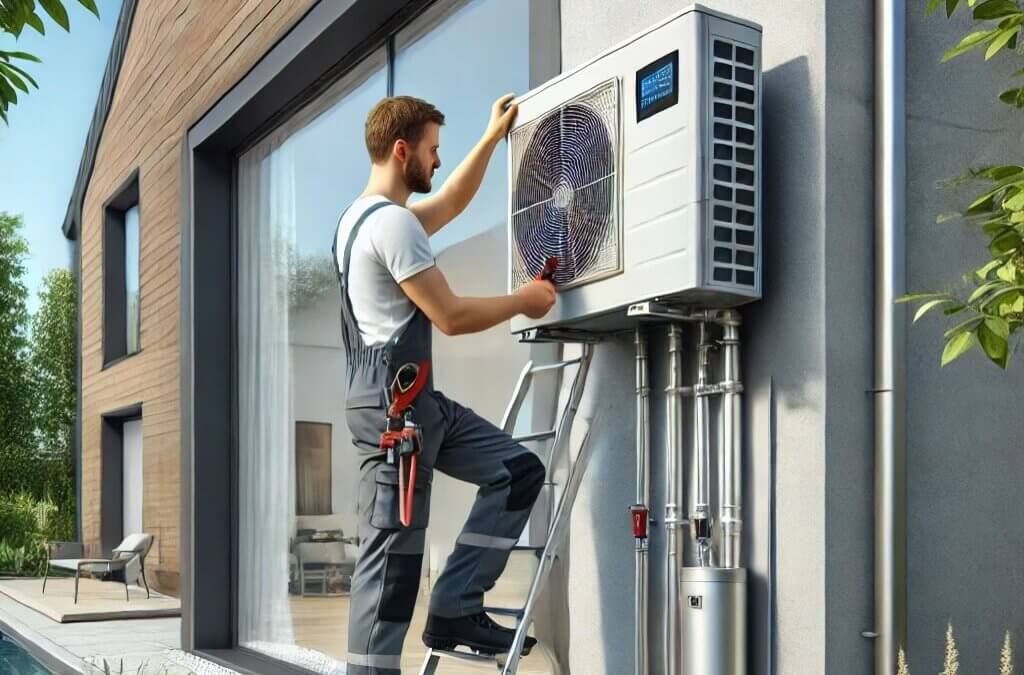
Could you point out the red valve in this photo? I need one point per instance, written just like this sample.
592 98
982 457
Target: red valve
547 273
639 513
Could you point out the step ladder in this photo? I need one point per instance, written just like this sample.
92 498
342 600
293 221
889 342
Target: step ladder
558 521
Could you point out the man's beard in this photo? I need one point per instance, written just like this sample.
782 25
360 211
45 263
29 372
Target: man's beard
417 176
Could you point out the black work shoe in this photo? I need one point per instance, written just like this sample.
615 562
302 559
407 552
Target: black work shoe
478 632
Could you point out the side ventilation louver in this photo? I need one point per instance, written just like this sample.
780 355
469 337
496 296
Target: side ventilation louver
733 165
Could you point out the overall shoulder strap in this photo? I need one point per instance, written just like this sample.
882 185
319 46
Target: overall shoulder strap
343 270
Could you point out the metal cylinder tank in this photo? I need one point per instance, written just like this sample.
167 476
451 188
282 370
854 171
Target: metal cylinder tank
714 620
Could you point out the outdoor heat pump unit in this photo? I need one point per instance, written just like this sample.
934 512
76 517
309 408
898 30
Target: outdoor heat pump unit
640 171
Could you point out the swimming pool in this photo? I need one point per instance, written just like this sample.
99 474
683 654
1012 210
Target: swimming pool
16 661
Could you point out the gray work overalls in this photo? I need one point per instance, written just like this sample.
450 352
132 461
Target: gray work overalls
457 442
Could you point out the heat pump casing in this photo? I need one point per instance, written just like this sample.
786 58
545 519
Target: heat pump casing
687 198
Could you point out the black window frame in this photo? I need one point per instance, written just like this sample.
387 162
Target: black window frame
112 474
115 281
327 42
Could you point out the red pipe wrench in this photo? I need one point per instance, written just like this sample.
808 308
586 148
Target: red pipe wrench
402 439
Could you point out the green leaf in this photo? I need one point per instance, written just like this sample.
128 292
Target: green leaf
1004 37
1001 171
932 6
13 78
983 271
966 326
22 73
91 6
1008 240
955 308
994 9
947 216
926 307
956 347
1016 202
912 297
993 344
55 8
24 56
971 41
985 288
951 7
1014 97
37 23
1008 273
998 326
1006 295
8 91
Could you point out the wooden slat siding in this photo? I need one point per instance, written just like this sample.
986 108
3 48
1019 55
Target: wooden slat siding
182 56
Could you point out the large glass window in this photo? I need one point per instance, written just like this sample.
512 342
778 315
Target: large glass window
294 569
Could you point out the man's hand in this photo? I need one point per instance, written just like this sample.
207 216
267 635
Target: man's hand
440 209
503 114
537 297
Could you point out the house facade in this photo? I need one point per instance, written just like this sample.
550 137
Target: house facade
227 139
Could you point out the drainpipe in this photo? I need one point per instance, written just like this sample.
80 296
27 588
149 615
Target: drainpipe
890 629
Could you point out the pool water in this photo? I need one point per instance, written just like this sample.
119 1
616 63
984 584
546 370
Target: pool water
16 661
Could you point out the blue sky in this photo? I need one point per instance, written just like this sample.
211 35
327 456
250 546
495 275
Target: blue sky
41 148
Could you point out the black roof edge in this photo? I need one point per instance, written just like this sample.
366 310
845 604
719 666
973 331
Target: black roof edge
73 217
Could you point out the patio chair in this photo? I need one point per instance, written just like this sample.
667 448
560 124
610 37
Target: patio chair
134 547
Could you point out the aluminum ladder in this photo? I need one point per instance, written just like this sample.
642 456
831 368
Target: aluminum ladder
558 522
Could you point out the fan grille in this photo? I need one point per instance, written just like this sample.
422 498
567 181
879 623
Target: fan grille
565 194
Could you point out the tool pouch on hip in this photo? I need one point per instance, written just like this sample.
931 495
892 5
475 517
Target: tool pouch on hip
386 498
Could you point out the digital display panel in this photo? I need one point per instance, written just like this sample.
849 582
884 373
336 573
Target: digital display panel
657 86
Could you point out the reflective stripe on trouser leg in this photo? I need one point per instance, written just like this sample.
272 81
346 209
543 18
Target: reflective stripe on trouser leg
510 478
386 579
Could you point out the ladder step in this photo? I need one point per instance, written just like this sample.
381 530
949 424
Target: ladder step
555 366
520 547
536 436
516 612
463 656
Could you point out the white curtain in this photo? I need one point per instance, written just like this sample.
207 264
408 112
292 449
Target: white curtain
266 445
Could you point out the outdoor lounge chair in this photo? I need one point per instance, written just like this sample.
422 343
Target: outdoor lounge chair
134 547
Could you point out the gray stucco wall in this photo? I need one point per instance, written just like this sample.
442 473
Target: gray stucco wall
965 423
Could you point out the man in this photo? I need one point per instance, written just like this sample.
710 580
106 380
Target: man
391 295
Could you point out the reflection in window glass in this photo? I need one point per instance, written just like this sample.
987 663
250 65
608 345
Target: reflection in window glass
312 469
297 481
462 60
131 269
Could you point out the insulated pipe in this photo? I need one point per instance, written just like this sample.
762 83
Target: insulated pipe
730 493
700 513
640 510
673 500
889 338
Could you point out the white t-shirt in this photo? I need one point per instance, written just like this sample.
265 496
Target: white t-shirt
391 247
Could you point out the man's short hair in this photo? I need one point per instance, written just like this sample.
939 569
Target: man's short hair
398 117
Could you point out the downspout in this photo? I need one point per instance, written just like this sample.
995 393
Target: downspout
890 629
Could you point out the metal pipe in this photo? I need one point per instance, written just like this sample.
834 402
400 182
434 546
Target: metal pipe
700 514
640 509
889 329
730 494
673 501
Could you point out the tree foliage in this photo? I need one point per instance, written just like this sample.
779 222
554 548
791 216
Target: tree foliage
15 382
15 15
993 312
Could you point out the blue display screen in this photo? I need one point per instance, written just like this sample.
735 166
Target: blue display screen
657 86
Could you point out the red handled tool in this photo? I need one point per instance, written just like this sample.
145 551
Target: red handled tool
402 439
547 273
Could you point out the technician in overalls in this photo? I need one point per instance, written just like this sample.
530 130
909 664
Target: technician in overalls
392 294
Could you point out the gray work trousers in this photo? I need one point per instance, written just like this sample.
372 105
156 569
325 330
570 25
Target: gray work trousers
461 444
